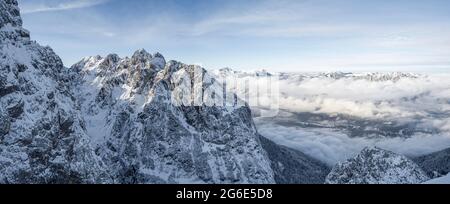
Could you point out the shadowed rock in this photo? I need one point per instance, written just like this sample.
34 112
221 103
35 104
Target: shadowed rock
294 167
436 164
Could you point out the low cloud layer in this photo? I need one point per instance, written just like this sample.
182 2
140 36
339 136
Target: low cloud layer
380 96
419 103
332 146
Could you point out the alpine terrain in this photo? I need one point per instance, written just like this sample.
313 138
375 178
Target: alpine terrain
111 120
143 119
376 166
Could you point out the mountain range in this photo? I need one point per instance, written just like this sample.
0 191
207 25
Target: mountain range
112 120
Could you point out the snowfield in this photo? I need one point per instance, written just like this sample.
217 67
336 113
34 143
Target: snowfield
441 180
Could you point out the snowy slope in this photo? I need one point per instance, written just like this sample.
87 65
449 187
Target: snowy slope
111 120
42 139
440 180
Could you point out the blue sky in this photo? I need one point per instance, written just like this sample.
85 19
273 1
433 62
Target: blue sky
278 35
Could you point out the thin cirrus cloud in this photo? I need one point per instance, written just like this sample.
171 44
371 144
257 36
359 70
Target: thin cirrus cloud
288 34
47 6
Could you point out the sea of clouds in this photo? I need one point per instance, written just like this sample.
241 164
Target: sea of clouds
424 99
420 99
332 146
404 97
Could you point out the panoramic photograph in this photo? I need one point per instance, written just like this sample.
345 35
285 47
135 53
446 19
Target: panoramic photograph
224 92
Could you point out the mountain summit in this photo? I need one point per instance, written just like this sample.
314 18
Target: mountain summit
42 139
111 120
10 13
145 138
377 166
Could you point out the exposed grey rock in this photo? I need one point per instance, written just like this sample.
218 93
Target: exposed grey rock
5 90
10 13
111 120
42 140
436 164
377 166
145 138
16 110
294 167
4 124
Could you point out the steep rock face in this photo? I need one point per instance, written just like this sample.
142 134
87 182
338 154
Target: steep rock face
10 13
440 180
377 166
42 139
111 120
436 164
294 167
145 138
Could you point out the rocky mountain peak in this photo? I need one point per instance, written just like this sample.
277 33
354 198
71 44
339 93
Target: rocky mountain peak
11 22
141 56
146 138
41 133
141 59
111 120
377 166
158 55
10 13
110 61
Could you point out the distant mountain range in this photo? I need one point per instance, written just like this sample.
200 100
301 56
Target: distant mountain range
370 76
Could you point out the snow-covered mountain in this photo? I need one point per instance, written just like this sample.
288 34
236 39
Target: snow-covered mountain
111 120
368 76
141 134
42 139
376 166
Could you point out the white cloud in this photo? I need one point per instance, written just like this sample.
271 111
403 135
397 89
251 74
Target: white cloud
362 98
46 6
332 146
420 105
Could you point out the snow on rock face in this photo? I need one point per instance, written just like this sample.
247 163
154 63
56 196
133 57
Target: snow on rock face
145 138
41 134
377 166
10 13
111 120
